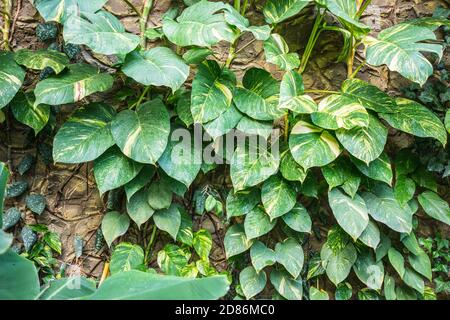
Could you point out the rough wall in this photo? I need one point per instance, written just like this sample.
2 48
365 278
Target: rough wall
74 206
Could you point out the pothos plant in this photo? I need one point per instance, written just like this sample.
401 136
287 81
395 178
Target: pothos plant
336 142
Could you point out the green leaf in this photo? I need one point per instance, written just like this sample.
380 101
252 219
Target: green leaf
236 241
85 136
154 33
447 121
337 111
59 10
159 195
41 59
278 197
343 291
234 18
185 232
291 289
351 214
346 11
142 134
138 285
36 203
159 66
261 256
291 170
242 202
277 52
338 264
224 123
289 253
126 256
212 91
18 277
371 235
138 207
169 220
257 223
298 219
11 78
370 272
276 11
102 32
201 24
389 288
114 225
25 111
71 288
6 240
404 189
202 243
379 169
251 166
382 249
138 182
252 282
172 260
318 294
312 146
397 261
29 237
73 85
415 119
254 127
383 207
413 280
422 264
4 175
399 47
410 242
259 97
181 160
292 95
435 206
341 173
10 218
113 169
196 55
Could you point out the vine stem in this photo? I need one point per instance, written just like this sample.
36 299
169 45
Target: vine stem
149 245
7 7
351 58
144 19
322 91
141 97
363 8
286 126
133 7
315 32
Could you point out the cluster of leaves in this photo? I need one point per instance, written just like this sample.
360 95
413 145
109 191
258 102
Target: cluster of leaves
341 138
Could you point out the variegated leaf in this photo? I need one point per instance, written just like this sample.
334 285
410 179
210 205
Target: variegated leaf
251 166
11 78
72 85
351 214
257 223
277 52
289 254
59 10
312 146
202 24
399 47
292 95
414 118
41 59
85 136
212 91
338 263
366 144
276 11
371 235
234 18
337 111
346 11
288 287
379 169
259 96
24 110
113 169
102 32
261 256
159 66
254 127
224 123
142 134
435 206
277 196
236 241
252 282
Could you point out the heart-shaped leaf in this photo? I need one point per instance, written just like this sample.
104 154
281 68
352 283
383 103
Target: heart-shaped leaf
298 219
278 197
41 59
252 282
289 253
261 256
168 220
126 256
257 223
291 289
277 11
236 241
11 78
292 95
59 10
277 52
138 208
114 225
25 111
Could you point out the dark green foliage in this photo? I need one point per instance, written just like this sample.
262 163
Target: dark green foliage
45 73
36 203
16 189
71 50
25 164
99 239
45 151
29 237
46 31
11 217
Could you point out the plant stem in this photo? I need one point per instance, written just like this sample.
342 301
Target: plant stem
286 126
7 6
363 8
132 6
311 42
244 8
141 97
149 245
357 70
143 22
351 58
322 91
237 5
